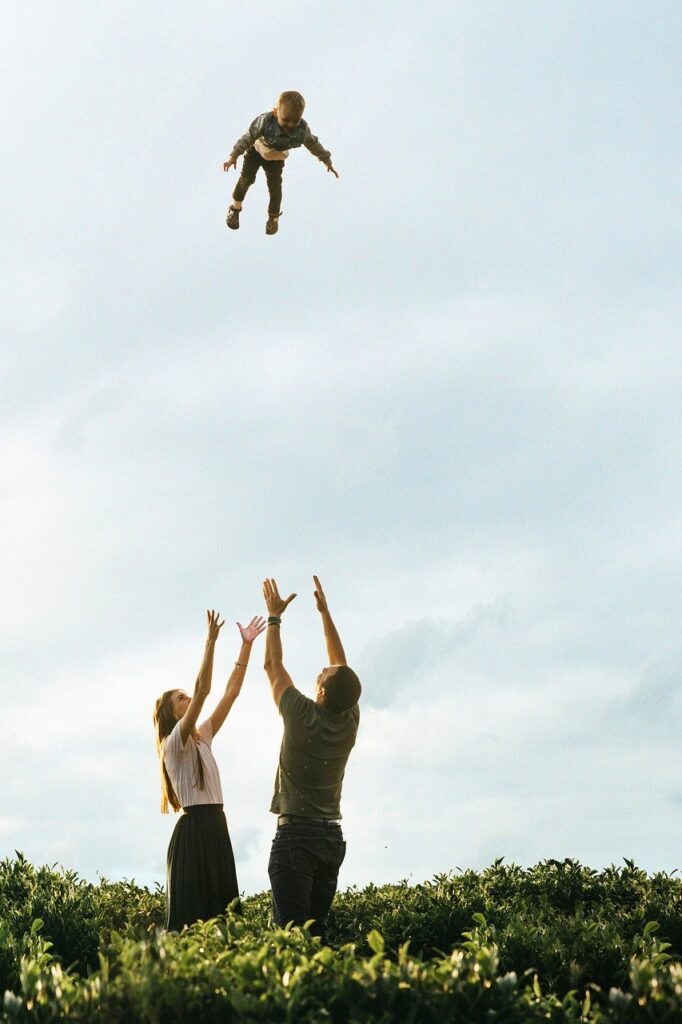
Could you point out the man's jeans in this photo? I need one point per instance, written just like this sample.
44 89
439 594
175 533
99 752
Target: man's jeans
304 868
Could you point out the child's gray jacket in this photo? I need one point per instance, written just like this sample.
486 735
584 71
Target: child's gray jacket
266 127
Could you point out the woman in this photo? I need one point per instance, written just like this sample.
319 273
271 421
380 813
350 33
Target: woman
200 874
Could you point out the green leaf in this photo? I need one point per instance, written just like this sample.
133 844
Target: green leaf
37 925
375 941
651 926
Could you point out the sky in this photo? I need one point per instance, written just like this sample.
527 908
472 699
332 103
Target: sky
450 386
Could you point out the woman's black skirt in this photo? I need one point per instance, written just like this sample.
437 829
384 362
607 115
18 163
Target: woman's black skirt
200 874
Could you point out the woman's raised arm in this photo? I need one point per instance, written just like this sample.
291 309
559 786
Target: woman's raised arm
234 683
202 687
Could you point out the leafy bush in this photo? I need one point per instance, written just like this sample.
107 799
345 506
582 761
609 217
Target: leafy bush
75 914
557 942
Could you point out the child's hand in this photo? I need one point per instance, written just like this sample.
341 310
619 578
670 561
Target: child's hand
329 168
232 162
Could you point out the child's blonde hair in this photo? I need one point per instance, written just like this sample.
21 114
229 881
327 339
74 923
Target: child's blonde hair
292 101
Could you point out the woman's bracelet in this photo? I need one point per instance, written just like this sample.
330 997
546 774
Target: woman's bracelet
241 664
274 620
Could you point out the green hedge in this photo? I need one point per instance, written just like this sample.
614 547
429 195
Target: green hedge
556 942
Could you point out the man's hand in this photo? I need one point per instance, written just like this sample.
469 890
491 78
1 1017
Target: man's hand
335 651
254 629
320 599
330 167
232 162
214 626
273 602
280 680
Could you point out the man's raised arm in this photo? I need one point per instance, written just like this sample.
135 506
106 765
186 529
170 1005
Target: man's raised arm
335 651
280 680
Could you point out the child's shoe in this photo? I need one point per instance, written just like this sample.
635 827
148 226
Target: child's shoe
272 224
232 219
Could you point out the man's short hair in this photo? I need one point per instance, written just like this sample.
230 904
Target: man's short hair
292 101
342 688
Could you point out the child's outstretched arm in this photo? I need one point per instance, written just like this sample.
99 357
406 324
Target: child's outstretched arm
245 140
312 143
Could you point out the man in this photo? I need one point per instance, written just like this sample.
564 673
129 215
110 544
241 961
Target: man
308 848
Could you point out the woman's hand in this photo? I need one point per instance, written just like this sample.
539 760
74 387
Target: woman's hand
232 162
273 602
254 628
214 626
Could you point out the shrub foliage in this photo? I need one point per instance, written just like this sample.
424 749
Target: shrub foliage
557 942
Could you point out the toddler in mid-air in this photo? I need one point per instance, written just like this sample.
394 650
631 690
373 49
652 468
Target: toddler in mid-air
266 144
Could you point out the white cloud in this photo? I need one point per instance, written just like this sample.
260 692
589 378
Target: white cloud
34 294
446 776
449 386
42 500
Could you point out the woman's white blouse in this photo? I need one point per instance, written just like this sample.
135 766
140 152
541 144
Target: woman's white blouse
183 769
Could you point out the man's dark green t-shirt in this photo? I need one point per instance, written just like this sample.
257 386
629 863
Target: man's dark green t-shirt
312 759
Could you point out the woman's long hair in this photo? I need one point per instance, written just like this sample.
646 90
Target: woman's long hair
164 722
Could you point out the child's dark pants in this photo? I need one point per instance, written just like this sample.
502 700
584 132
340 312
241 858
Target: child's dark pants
273 172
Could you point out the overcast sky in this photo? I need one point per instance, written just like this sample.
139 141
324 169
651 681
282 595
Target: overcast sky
450 386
